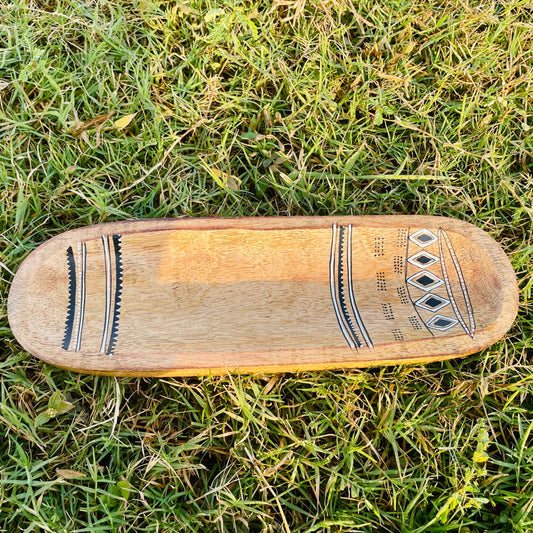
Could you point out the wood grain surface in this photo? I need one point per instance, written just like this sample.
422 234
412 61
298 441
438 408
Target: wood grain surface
212 296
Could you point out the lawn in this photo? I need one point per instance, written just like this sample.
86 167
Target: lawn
149 108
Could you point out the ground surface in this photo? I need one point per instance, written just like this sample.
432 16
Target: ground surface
116 110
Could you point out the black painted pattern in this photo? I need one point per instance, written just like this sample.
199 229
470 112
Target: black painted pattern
418 318
398 264
341 290
398 335
415 323
69 323
387 311
379 246
381 283
402 293
117 246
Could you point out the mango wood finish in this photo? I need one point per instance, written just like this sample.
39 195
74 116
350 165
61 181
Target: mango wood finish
210 296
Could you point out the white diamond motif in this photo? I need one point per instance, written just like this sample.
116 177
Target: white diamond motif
423 237
425 280
423 259
442 323
432 302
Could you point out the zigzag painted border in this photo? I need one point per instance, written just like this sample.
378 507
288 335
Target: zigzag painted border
117 245
69 322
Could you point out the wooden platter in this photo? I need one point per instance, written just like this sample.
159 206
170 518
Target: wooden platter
212 296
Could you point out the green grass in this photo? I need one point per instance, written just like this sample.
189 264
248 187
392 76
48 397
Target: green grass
268 108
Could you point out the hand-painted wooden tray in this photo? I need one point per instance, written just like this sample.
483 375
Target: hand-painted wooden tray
200 296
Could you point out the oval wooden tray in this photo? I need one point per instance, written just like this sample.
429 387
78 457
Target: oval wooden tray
210 296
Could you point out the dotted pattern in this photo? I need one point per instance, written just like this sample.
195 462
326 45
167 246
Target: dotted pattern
415 323
387 311
380 281
379 246
398 264
401 238
398 335
402 293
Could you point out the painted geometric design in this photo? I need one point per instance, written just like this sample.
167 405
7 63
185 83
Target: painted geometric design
387 311
341 285
415 323
76 305
423 259
379 246
402 293
398 263
341 288
442 323
72 293
444 240
401 239
340 315
432 302
77 271
398 335
423 237
425 280
381 282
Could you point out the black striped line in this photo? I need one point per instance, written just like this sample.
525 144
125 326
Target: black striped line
333 289
82 293
117 246
107 268
356 313
471 327
341 288
69 323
